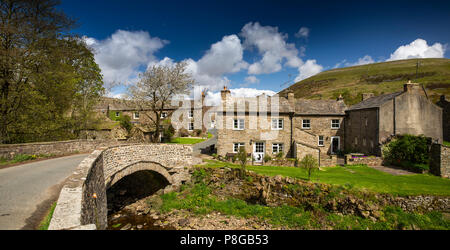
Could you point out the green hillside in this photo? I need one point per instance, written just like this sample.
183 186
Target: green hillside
378 78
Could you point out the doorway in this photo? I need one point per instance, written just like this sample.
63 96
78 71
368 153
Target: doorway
258 151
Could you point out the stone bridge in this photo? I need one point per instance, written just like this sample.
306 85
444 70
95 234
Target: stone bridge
82 203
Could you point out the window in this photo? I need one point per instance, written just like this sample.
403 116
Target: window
335 124
191 126
136 115
306 124
237 145
163 114
191 113
277 124
117 114
239 124
277 148
356 140
321 141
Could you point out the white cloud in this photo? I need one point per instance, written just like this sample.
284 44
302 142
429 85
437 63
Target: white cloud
418 49
121 55
223 57
361 61
308 69
272 46
302 32
251 79
275 51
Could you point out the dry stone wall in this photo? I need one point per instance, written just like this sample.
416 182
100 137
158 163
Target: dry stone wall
440 160
8 151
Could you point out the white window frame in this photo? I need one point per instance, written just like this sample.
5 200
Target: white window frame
117 114
238 144
189 126
278 147
338 124
191 114
163 114
277 126
240 124
303 124
134 115
321 140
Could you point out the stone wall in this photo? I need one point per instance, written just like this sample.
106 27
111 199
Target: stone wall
368 160
440 160
82 203
8 151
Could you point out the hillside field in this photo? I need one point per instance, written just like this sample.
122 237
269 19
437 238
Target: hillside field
377 78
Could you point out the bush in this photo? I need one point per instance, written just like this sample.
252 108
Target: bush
183 132
407 148
279 155
242 157
198 132
125 122
267 158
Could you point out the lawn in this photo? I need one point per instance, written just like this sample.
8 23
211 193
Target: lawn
446 143
186 140
358 176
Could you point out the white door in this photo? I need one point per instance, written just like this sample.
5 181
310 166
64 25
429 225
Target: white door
258 151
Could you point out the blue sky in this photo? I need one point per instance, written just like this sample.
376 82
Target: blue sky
256 45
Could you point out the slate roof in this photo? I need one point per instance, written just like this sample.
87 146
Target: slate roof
300 107
374 102
319 107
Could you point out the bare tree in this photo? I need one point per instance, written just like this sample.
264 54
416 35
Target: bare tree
156 88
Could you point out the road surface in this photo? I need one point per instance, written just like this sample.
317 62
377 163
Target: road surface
25 188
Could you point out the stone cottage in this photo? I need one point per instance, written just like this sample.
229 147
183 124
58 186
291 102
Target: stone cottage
374 121
192 114
284 125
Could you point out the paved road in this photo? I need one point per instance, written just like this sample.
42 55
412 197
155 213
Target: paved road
198 147
24 187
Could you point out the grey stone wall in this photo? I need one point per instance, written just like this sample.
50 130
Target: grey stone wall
8 151
83 203
440 160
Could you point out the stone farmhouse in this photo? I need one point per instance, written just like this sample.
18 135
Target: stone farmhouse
193 113
374 121
323 128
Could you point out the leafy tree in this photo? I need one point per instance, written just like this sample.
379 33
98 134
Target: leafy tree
310 164
156 88
43 70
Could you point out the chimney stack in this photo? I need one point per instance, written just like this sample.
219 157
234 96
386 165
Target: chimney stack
412 88
290 96
366 96
225 93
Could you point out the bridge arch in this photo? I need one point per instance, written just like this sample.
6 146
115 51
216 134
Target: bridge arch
139 166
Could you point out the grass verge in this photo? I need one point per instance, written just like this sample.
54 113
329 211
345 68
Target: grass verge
186 140
45 223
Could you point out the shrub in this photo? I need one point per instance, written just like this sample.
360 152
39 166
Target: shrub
169 131
242 157
198 132
183 132
279 155
407 148
125 122
267 158
310 164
